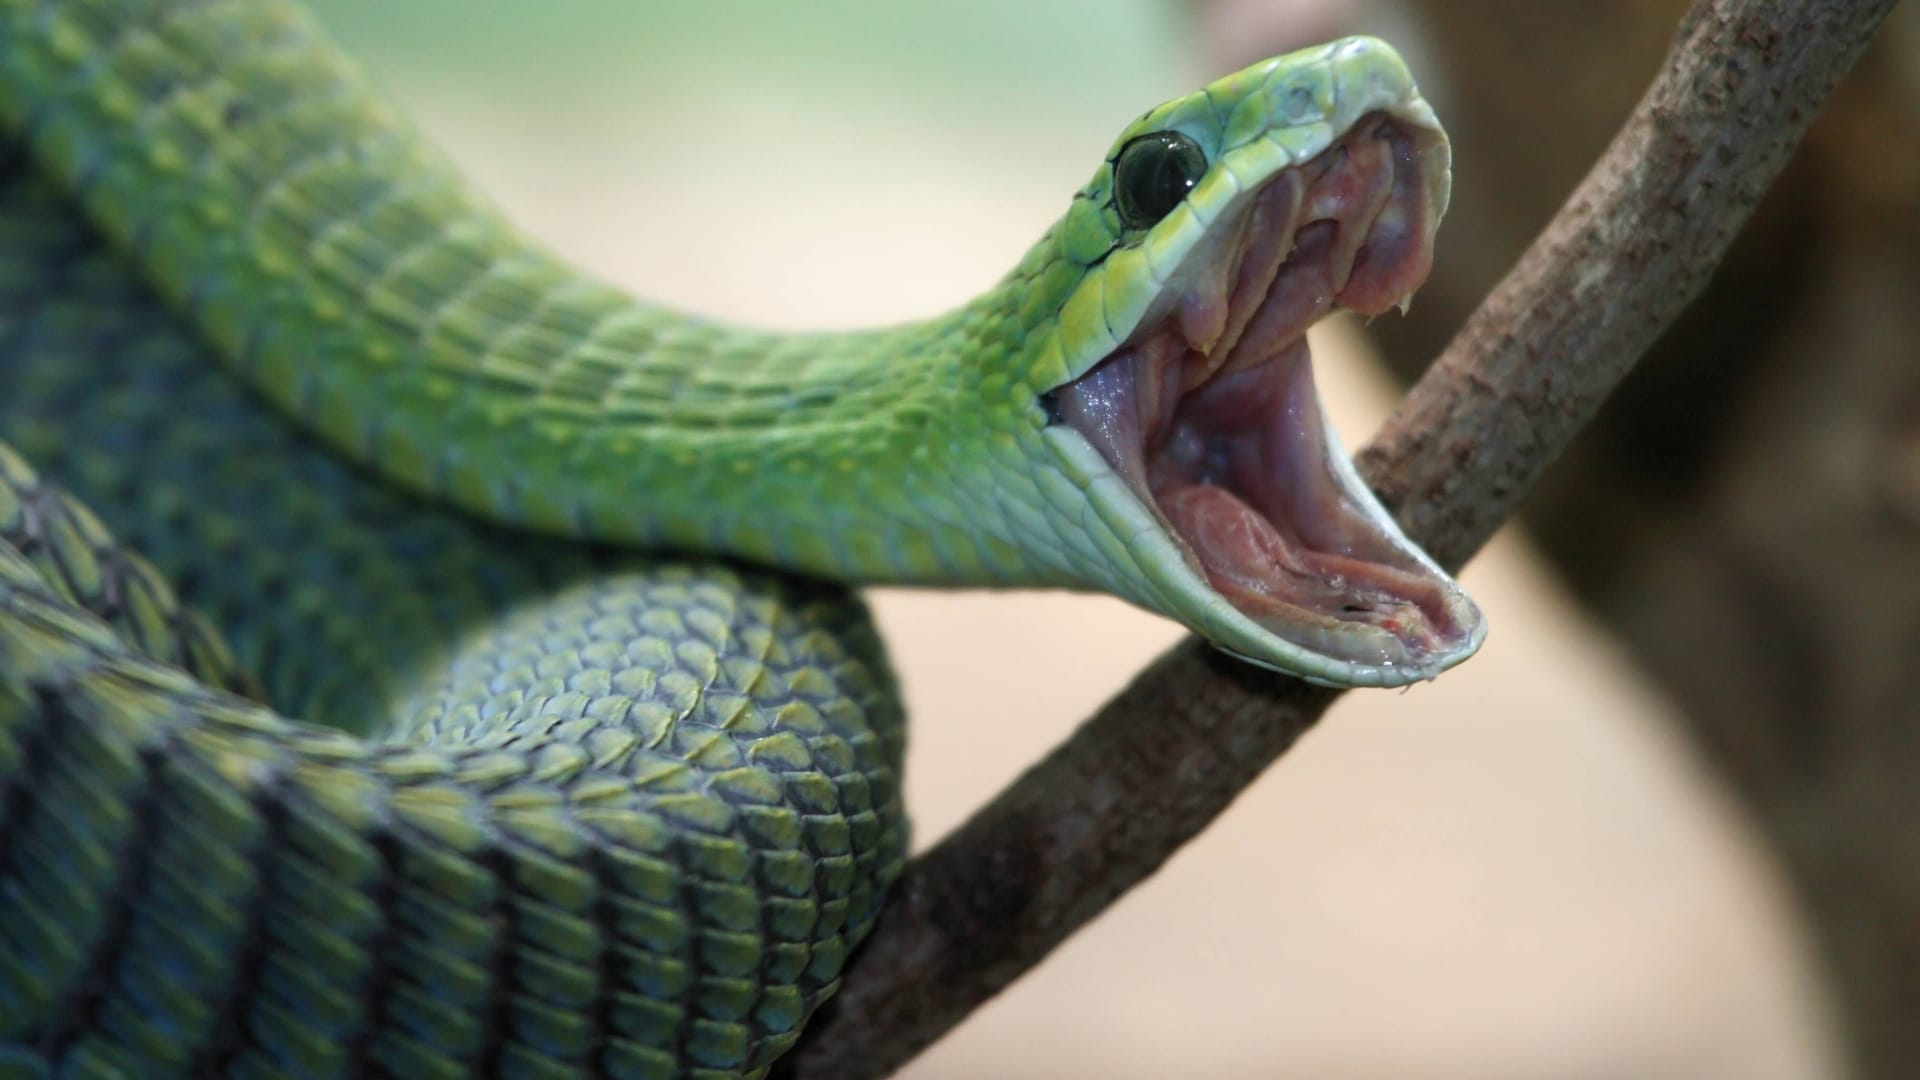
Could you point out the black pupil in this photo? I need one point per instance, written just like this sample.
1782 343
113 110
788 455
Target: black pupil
1152 174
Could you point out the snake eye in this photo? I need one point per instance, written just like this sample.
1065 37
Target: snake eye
1152 174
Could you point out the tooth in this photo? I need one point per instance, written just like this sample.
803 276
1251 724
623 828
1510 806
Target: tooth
1399 241
1261 259
1326 197
1203 316
1355 227
1218 289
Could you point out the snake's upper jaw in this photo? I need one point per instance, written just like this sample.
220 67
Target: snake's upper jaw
1209 413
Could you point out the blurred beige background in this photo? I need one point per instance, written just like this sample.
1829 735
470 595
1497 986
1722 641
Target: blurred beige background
1517 871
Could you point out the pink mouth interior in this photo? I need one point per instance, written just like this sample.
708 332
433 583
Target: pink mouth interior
1209 411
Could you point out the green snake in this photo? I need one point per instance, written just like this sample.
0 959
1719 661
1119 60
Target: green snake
559 806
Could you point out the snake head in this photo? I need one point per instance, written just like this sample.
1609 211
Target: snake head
1177 390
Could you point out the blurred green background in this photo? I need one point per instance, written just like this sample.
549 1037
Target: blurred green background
756 124
958 63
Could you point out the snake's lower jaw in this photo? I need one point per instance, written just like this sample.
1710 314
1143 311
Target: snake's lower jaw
1209 414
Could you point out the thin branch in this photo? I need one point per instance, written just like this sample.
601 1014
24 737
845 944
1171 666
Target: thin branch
1634 244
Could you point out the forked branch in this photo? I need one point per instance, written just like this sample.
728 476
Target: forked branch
1635 243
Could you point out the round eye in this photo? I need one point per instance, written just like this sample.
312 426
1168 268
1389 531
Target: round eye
1152 174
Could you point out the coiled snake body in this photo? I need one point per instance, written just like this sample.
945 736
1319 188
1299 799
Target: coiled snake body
559 807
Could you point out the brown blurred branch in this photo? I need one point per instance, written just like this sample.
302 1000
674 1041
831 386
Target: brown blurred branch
1757 541
1635 243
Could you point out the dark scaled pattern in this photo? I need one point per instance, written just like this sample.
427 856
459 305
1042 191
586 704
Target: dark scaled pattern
574 813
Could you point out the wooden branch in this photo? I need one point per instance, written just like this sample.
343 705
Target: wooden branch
1635 243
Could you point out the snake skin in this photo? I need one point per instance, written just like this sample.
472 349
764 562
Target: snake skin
293 420
619 817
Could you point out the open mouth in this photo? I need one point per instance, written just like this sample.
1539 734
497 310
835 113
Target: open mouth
1209 413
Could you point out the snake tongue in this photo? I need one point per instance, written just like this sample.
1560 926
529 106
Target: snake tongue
1210 413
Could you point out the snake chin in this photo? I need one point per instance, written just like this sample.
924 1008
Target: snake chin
1209 412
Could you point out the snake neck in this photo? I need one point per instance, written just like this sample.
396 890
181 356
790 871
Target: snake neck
343 269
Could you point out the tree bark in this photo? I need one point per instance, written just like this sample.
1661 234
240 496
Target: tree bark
1635 242
1745 512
